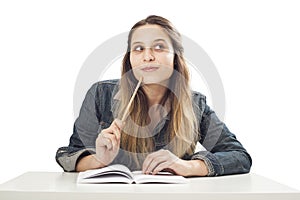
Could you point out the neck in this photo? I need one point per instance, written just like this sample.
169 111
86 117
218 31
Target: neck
154 92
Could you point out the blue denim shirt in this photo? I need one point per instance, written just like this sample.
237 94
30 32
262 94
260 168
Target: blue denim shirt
222 152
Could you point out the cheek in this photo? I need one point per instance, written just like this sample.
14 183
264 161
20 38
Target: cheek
133 61
169 60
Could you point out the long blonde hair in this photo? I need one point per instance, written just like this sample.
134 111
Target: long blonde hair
182 129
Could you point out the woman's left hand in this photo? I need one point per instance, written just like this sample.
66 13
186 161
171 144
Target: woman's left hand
165 160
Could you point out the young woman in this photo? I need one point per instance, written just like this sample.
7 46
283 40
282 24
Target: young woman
165 120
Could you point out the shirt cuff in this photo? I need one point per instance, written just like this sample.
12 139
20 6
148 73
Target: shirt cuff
210 168
68 161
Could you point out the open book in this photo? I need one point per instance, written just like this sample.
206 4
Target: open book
121 174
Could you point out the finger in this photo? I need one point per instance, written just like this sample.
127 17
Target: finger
146 163
107 130
116 131
113 129
148 160
113 140
154 159
104 141
160 167
155 162
119 123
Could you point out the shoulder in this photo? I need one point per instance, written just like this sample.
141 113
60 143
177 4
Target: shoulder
199 102
198 97
103 90
104 86
108 83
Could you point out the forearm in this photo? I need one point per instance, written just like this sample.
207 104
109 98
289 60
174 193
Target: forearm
88 162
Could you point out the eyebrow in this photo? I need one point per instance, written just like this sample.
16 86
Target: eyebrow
156 40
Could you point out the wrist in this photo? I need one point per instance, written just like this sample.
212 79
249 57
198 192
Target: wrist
196 168
95 163
88 162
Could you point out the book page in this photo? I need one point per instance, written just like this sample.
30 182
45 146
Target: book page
161 177
105 179
112 173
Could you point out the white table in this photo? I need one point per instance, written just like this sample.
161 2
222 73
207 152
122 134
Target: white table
60 185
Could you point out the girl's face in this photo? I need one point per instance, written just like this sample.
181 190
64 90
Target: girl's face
151 54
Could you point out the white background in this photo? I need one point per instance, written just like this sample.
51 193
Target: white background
255 46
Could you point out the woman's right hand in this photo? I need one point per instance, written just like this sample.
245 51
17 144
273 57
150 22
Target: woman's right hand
108 143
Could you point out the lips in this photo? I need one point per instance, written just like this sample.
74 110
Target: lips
149 69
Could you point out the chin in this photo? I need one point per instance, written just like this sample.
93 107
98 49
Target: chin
155 80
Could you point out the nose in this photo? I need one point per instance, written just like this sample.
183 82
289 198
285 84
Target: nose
148 55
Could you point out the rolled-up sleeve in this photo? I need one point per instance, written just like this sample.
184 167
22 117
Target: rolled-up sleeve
85 132
69 160
224 154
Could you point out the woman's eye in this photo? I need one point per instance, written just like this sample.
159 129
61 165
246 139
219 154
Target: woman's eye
138 48
159 47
